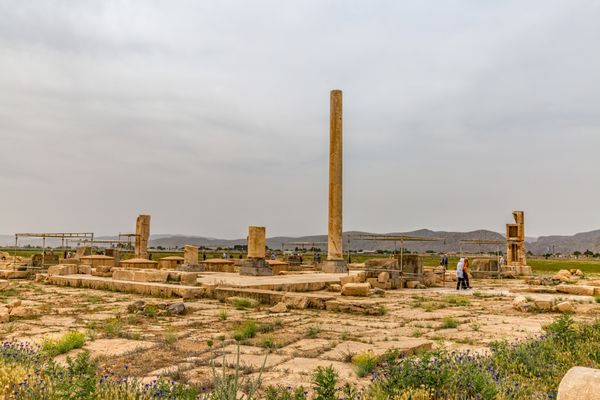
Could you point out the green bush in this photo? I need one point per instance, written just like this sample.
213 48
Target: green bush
245 331
69 341
313 331
523 370
449 323
457 300
364 363
113 328
242 303
268 341
325 380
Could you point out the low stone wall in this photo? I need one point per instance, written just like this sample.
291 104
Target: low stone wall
143 288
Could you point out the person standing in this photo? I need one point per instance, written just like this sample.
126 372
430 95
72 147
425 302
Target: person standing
460 275
466 274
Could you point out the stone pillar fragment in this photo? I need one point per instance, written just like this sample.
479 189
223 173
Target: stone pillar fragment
190 255
335 260
142 234
256 242
256 264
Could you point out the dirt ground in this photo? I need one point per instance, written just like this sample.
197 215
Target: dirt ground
148 343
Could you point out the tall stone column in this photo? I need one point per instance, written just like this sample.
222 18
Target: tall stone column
142 234
335 259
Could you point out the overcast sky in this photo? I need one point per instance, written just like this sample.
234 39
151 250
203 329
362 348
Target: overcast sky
214 115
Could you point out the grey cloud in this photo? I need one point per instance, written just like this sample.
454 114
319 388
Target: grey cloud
214 115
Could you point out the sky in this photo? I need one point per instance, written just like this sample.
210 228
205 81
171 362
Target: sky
214 115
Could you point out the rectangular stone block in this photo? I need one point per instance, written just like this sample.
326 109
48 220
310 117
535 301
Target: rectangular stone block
347 279
62 269
122 275
157 276
103 268
174 276
189 278
102 274
356 289
256 242
190 255
84 269
576 290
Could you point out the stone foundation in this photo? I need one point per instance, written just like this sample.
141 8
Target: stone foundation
256 267
334 267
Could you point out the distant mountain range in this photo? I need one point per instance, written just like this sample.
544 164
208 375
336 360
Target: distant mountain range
450 241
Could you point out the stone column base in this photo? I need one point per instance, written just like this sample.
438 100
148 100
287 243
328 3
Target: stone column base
256 267
334 266
190 268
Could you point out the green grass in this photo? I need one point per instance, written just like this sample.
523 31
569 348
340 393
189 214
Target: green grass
313 331
69 341
554 265
243 303
113 328
246 330
364 363
457 300
223 315
530 369
170 337
449 323
268 341
151 311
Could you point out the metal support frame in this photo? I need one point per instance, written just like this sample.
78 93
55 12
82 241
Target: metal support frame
57 235
480 242
401 239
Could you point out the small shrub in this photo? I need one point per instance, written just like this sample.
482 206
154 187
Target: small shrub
285 393
268 341
449 323
92 299
270 326
113 328
313 331
475 326
242 303
364 363
223 315
245 331
170 337
151 311
597 299
457 300
430 306
347 355
69 341
382 310
325 380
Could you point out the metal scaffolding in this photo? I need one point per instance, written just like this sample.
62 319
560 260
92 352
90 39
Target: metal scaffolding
480 242
64 236
396 239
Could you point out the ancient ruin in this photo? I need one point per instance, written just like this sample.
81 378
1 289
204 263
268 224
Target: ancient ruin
256 264
142 234
516 261
312 312
335 256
